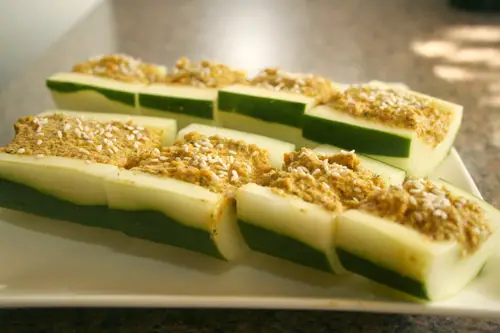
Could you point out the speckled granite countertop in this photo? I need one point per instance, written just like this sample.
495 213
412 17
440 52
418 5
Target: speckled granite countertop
452 55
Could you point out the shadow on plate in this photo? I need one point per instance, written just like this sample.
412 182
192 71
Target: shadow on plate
116 241
295 272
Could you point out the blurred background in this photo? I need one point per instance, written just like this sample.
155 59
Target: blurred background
430 45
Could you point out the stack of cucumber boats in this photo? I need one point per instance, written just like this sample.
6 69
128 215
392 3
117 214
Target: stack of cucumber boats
330 176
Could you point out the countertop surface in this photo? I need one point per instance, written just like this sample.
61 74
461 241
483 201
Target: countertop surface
435 50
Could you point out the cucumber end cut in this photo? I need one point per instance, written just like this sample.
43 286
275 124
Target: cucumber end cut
287 227
405 260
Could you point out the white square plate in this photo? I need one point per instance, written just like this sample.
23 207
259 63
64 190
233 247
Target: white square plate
45 262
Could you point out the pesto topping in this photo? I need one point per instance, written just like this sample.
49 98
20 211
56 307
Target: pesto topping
335 182
122 68
308 85
433 211
216 163
397 108
75 137
204 74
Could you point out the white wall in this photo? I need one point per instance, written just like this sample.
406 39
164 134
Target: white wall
29 27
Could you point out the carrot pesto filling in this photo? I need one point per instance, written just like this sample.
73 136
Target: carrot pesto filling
216 163
275 79
433 211
204 74
109 142
395 108
122 68
336 182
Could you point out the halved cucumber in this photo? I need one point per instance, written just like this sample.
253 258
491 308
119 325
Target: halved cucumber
65 188
276 148
396 146
82 92
174 212
186 104
390 174
287 227
168 126
261 111
406 260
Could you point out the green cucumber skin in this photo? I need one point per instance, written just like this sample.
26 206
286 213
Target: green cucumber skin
372 271
159 228
363 140
283 247
186 106
150 225
23 198
114 95
270 110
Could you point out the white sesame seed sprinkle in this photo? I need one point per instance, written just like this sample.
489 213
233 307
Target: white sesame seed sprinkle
39 156
21 151
39 142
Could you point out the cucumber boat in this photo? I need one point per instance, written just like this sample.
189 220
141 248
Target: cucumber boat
189 94
58 161
272 104
401 127
291 214
183 195
389 173
108 84
426 239
276 148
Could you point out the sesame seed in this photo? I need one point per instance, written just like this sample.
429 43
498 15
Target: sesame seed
163 158
21 151
108 135
98 148
39 156
234 175
156 151
154 160
115 149
136 145
232 152
39 142
83 150
135 131
418 216
110 151
140 128
66 127
40 134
